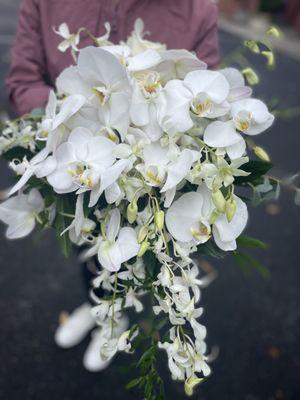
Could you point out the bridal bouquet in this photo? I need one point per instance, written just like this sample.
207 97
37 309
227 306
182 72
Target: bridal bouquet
142 159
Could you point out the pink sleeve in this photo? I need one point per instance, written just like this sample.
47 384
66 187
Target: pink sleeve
26 84
207 47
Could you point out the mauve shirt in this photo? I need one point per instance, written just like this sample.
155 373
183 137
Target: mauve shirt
36 62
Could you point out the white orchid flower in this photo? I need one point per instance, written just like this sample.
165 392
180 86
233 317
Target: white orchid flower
135 272
138 44
131 300
98 76
135 142
146 102
52 127
223 135
249 116
50 112
202 94
226 172
70 39
164 167
184 357
118 245
80 226
20 213
111 120
104 39
203 172
134 63
187 220
176 64
85 163
39 165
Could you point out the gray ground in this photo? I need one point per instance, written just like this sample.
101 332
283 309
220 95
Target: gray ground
254 321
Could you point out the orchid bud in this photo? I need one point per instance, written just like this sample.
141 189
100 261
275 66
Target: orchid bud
252 46
159 220
143 248
251 76
273 31
261 153
270 57
213 217
218 200
191 383
132 211
230 209
142 234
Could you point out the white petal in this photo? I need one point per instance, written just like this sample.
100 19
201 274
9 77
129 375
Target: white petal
182 214
145 60
61 180
69 107
98 66
63 30
51 105
20 227
259 128
70 82
153 129
119 116
127 243
112 174
35 201
226 246
211 82
229 231
79 214
221 134
178 170
139 111
22 181
113 225
63 46
46 167
112 193
236 150
109 256
170 195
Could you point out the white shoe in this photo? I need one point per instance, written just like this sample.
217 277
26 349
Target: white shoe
91 359
75 328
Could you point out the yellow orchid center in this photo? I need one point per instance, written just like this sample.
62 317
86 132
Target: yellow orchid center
201 105
243 121
153 177
81 174
201 231
102 94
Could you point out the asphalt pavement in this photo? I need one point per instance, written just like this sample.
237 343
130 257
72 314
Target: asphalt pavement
255 322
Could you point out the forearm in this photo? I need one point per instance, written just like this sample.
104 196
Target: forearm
26 83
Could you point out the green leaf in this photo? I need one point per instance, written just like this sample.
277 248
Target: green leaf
153 266
247 262
18 153
210 249
61 223
248 241
161 323
257 169
147 356
135 382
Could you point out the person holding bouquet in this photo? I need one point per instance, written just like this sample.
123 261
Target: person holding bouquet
36 62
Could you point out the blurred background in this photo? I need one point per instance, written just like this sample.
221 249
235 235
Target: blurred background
254 320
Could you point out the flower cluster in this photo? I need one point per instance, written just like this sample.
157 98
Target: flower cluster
138 159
